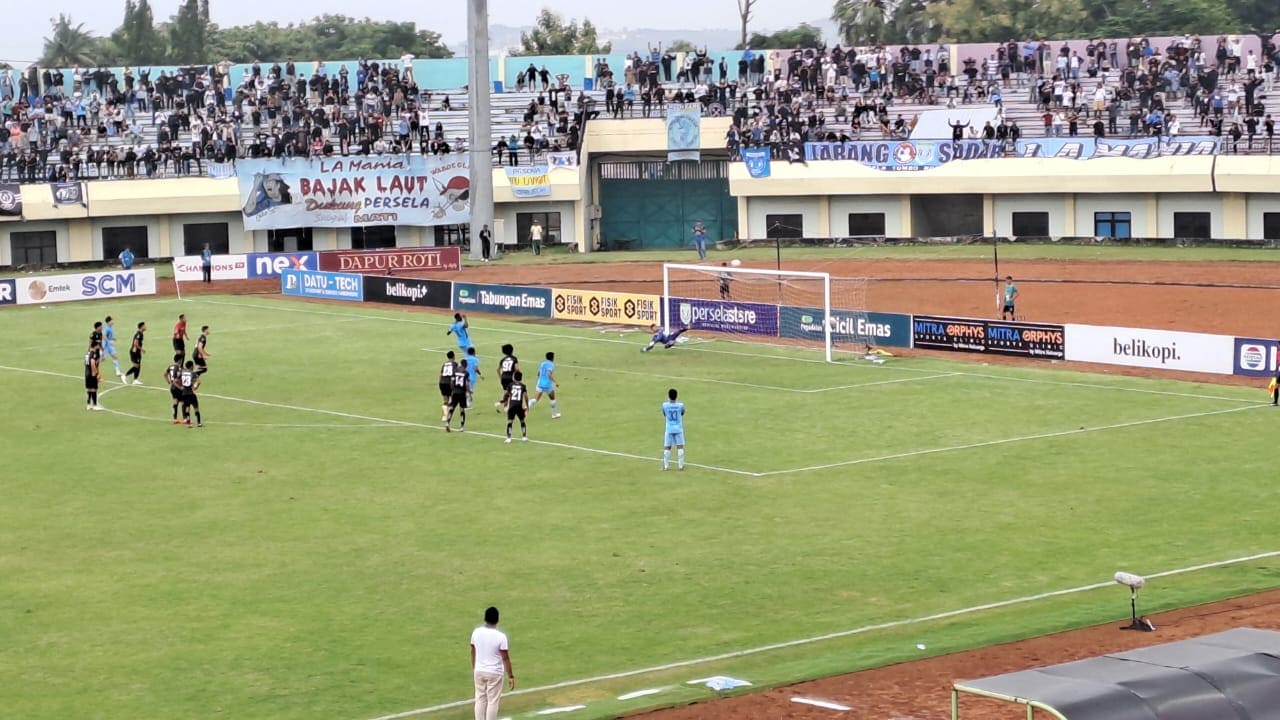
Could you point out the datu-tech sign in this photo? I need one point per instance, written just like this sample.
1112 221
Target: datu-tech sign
882 329
325 285
506 299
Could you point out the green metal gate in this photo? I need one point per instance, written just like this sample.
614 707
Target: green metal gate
654 204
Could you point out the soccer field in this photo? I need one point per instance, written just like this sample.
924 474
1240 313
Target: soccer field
322 549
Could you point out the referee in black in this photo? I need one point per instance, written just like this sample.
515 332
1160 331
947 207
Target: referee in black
1275 388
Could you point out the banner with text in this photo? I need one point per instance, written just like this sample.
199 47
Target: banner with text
68 193
10 200
265 265
509 299
408 291
325 285
880 329
759 162
1020 339
45 289
188 268
1158 349
1256 357
684 131
1086 148
8 292
343 192
605 307
903 154
529 180
392 260
723 316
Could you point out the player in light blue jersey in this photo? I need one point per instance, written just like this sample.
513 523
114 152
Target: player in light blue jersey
109 345
473 374
547 384
459 329
673 412
667 339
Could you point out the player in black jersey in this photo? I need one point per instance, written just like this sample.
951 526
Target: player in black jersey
446 384
507 366
172 377
92 358
458 396
135 355
516 398
95 335
201 355
189 383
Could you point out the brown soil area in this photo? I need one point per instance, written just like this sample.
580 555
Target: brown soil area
1233 298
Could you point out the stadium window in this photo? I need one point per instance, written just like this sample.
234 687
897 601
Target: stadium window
374 237
550 226
1195 225
1112 224
289 240
116 239
1271 226
195 235
1030 224
866 225
38 247
784 227
452 234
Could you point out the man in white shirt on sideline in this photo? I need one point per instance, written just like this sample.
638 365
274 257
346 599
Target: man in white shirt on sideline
489 662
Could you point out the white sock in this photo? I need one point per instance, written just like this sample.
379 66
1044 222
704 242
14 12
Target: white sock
553 406
117 364
666 459
680 458
532 403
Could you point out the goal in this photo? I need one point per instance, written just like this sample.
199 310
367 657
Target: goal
810 307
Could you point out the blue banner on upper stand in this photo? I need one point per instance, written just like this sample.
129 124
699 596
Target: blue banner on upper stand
758 162
879 329
904 154
1088 148
684 131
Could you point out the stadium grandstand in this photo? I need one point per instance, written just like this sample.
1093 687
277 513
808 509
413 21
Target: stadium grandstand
135 122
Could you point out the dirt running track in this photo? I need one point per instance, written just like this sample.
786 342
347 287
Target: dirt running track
1230 298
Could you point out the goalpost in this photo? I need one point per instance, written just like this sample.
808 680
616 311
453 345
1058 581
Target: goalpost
811 306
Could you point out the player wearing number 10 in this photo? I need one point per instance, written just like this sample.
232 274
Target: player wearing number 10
673 411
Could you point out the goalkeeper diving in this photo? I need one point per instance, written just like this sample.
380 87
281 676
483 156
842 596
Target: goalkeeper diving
660 336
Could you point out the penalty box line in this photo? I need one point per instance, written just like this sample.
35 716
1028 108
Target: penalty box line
974 609
752 355
405 423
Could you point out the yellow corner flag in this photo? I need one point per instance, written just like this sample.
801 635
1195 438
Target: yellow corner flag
1272 386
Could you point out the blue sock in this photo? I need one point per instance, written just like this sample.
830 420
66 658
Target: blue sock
680 458
666 459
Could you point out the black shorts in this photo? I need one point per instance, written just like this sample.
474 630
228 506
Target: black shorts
446 389
90 382
175 393
179 346
458 400
506 382
190 399
135 357
515 411
1008 307
201 365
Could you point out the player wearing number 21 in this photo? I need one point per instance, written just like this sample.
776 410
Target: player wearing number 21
673 413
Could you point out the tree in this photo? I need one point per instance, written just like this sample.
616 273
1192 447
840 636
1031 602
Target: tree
744 14
189 33
999 20
328 37
551 35
136 41
681 46
69 45
803 35
871 22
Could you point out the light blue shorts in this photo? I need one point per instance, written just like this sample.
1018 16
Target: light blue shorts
546 388
109 347
673 439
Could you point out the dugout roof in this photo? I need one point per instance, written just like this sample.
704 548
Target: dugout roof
1232 675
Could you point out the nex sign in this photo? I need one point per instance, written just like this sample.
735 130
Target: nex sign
264 265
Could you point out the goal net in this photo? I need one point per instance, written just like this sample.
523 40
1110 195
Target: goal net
809 307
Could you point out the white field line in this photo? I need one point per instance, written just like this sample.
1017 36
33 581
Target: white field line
832 636
1007 441
408 423
219 332
754 355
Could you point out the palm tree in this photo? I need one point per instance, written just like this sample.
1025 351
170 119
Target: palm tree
69 45
872 22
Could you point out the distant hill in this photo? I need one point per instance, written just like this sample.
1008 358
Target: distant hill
625 40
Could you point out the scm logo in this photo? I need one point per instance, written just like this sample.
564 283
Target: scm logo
109 284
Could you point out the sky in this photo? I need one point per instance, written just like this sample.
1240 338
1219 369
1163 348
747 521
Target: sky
27 23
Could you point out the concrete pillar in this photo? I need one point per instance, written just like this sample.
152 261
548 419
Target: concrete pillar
479 88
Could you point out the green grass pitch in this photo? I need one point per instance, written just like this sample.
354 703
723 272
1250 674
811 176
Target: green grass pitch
322 550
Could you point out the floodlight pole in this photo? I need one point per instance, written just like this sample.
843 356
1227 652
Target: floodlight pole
479 122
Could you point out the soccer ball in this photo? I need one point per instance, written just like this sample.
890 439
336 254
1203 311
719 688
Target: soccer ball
735 262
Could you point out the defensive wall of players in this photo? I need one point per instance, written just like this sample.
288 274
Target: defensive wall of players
1072 189
298 276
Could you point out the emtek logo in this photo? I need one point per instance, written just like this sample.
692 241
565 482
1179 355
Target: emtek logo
1139 348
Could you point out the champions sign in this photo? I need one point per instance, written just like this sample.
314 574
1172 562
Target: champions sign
605 307
354 192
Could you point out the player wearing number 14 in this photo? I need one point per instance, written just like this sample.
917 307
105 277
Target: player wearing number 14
673 412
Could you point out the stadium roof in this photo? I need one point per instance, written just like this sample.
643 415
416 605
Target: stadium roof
1232 675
